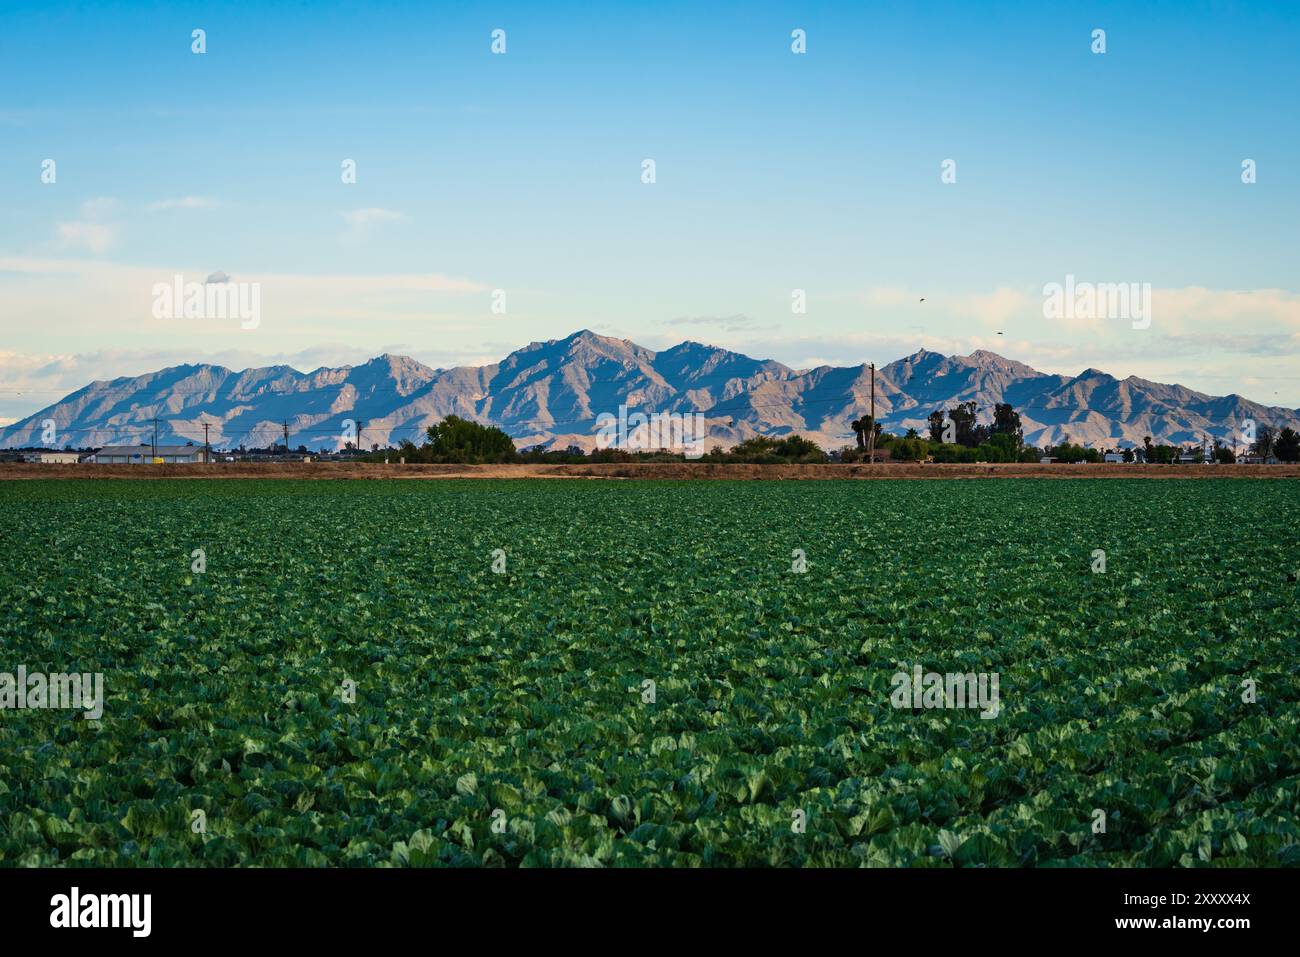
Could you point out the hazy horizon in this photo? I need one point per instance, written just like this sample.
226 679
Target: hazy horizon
312 370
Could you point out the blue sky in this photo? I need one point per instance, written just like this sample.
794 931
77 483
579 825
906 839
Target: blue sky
774 172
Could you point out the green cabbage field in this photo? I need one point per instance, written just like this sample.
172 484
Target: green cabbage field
615 673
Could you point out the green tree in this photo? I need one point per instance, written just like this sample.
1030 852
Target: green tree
936 425
1006 444
800 449
1265 436
862 429
1287 445
963 416
459 440
912 449
1066 452
1166 454
1006 421
765 449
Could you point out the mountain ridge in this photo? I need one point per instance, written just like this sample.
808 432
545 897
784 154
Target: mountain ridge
551 393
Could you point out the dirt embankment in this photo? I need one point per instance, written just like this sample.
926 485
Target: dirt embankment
640 470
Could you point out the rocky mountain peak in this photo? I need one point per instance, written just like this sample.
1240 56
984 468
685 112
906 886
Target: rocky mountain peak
552 392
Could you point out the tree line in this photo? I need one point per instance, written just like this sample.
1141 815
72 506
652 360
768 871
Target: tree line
953 435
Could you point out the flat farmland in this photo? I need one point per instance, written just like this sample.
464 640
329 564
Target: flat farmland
500 672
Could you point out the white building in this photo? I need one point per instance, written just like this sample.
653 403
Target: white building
52 458
144 454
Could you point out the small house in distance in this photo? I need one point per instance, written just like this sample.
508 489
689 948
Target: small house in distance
144 454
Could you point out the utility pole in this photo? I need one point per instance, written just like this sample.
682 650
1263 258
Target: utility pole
361 425
207 446
871 438
155 440
286 438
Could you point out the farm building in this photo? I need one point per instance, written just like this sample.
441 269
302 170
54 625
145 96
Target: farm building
52 458
143 454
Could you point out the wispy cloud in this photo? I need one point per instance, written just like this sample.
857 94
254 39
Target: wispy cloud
183 202
296 307
731 323
361 221
100 207
1175 311
90 232
81 235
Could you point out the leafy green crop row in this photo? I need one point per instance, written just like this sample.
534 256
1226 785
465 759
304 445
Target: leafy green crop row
499 718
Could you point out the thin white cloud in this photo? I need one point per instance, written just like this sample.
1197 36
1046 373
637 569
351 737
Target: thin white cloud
1175 311
993 310
100 208
1225 309
345 283
99 304
730 323
82 235
90 232
183 202
50 266
361 221
110 304
990 309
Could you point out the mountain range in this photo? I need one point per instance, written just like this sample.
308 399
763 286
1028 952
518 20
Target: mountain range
551 393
